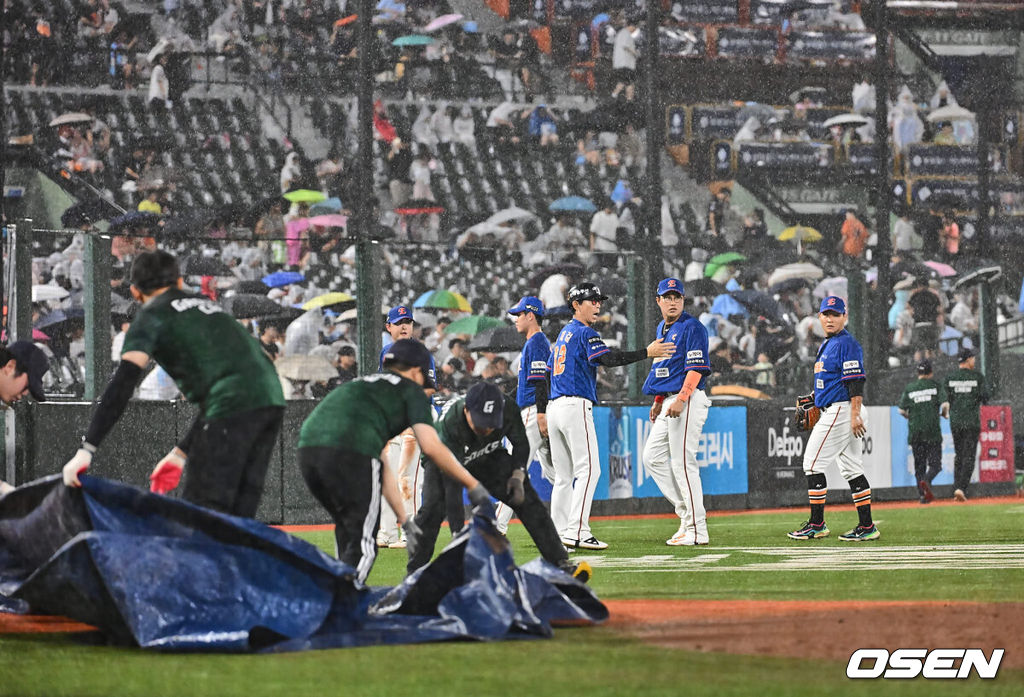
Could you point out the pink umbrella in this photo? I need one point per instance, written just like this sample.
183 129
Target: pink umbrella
331 220
940 268
442 21
293 239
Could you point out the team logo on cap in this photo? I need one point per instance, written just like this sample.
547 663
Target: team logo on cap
671 283
401 310
831 301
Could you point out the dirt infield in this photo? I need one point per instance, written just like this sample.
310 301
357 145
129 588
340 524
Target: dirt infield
835 628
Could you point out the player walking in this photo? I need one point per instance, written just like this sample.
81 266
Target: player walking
677 383
921 402
218 366
839 393
475 428
967 391
532 390
342 439
573 369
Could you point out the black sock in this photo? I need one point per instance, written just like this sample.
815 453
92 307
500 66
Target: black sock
861 491
816 491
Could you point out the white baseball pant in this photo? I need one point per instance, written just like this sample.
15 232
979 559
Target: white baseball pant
576 465
403 454
832 440
670 456
538 447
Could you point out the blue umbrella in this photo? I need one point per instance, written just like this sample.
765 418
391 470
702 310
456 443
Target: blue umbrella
133 219
572 204
413 40
331 205
621 193
282 278
726 305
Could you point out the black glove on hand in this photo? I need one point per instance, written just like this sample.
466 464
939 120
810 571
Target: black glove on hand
514 489
481 499
412 536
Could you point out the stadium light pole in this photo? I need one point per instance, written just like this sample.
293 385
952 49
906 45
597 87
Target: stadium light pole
367 249
877 317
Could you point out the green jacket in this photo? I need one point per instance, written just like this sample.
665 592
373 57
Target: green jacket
921 400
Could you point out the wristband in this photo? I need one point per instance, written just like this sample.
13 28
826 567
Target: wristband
658 399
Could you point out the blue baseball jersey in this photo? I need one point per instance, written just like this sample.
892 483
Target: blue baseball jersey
691 341
533 366
380 363
573 363
840 358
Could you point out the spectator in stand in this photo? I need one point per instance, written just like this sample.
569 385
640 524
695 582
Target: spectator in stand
159 87
399 162
603 246
225 31
346 365
552 292
436 339
121 66
716 212
422 131
721 362
945 136
464 128
441 122
503 123
291 171
755 232
419 172
764 371
457 349
963 317
853 236
928 318
151 204
905 239
562 239
949 236
541 126
903 335
624 55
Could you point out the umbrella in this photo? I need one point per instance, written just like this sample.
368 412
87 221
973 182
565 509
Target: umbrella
43 293
837 285
347 316
56 320
329 205
192 223
726 258
572 204
513 213
800 233
83 212
905 284
944 270
305 196
950 112
346 20
443 300
703 287
570 269
497 339
847 120
762 112
329 300
759 304
70 118
251 306
419 206
331 220
443 21
612 285
256 287
199 265
726 305
133 219
473 324
487 228
412 40
801 269
303 367
790 284
282 278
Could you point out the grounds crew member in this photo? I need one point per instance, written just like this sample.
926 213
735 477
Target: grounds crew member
218 366
22 367
966 391
921 403
839 393
475 428
342 441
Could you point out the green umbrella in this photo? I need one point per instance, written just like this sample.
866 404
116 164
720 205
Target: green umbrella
413 40
443 300
305 196
726 258
473 324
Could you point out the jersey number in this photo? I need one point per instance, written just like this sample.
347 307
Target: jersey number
559 361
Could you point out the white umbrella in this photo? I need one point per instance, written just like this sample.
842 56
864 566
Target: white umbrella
951 112
71 117
801 269
847 120
487 228
513 213
346 316
837 285
43 293
300 367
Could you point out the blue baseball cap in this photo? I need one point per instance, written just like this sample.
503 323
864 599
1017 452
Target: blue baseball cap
528 303
670 285
399 314
833 303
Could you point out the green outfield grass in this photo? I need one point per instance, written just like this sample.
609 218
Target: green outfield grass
600 660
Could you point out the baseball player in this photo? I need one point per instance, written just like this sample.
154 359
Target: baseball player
532 390
218 366
921 403
679 411
573 369
22 367
403 456
475 428
967 391
839 392
343 438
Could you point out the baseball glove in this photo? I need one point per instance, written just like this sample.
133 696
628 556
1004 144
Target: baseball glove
806 413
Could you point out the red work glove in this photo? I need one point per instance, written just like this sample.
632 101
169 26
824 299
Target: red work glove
167 474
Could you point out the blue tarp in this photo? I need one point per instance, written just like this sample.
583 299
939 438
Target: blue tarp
162 573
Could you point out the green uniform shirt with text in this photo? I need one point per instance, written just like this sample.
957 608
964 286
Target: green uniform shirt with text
364 414
921 400
967 392
216 363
